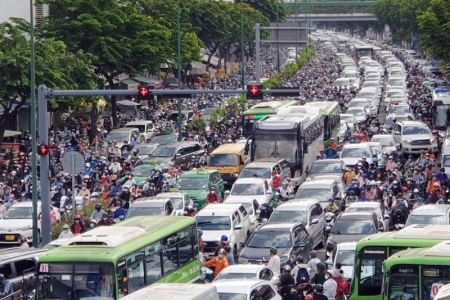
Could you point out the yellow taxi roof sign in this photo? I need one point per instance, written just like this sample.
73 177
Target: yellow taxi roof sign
173 190
201 170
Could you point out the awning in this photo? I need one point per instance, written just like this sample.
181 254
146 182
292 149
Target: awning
146 79
9 133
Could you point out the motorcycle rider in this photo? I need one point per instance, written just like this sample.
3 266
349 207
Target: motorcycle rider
212 197
78 226
104 221
286 282
332 207
285 191
98 212
275 200
442 176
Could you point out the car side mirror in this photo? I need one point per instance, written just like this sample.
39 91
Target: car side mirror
314 221
178 155
241 244
237 227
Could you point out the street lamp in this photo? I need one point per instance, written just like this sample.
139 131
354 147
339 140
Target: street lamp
179 69
34 194
278 45
242 47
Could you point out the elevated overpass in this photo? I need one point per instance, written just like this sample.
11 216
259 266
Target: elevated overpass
344 17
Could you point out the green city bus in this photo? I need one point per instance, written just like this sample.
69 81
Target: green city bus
331 119
259 111
372 251
417 273
110 262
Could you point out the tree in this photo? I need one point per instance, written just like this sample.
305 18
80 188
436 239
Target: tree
269 8
434 27
120 38
55 67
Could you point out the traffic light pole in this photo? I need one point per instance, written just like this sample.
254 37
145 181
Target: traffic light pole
44 94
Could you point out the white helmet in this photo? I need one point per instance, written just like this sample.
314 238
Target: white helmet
373 183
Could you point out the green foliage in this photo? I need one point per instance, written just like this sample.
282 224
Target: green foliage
270 8
55 67
85 213
218 115
401 16
434 27
276 80
238 101
198 125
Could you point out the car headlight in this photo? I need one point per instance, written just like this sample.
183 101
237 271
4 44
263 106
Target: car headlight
407 141
242 260
284 258
432 140
26 228
235 174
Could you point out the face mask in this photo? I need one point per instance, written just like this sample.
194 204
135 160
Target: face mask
91 225
220 255
77 221
84 188
213 192
104 219
65 230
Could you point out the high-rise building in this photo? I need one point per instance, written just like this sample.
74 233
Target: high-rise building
21 9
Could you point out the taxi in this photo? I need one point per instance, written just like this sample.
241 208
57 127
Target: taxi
141 173
197 183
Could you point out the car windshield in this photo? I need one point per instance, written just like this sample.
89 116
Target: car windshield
347 118
320 194
119 137
164 139
356 111
259 172
226 160
270 239
376 150
390 120
225 275
289 216
345 257
446 161
326 168
341 81
384 141
142 171
141 128
353 226
213 222
192 183
399 109
413 130
145 211
176 201
364 104
426 219
247 189
355 153
232 296
163 152
361 208
19 213
145 150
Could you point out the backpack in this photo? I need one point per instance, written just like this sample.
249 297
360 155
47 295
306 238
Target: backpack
302 275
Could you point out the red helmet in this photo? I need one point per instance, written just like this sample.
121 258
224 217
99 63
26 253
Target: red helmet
405 189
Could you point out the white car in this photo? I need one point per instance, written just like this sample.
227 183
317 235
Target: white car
387 142
252 207
256 188
245 272
179 200
352 153
18 221
248 289
361 114
343 253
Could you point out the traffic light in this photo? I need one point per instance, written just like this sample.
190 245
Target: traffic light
143 93
255 92
43 150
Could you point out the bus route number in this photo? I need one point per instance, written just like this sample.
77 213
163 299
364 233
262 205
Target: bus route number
435 287
43 268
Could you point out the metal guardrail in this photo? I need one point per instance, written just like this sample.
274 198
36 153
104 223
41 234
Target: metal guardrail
14 296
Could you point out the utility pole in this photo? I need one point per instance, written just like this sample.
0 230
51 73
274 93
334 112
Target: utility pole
180 123
242 47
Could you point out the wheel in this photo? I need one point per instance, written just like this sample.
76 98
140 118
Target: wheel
235 253
322 241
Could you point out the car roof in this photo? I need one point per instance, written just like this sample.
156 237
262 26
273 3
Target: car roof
243 268
121 130
270 159
414 123
356 214
347 246
356 146
364 204
220 209
239 200
183 143
267 164
198 173
297 203
25 204
250 180
382 136
432 209
317 182
328 161
170 194
240 286
11 253
276 226
146 202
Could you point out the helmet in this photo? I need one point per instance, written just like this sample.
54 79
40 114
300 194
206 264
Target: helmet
319 288
442 169
77 217
287 268
284 182
227 248
321 266
416 191
372 182
405 189
98 206
288 179
65 226
273 250
200 232
313 253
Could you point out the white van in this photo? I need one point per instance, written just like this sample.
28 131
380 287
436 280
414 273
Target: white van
145 127
175 291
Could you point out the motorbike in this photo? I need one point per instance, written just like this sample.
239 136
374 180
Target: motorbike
399 220
330 218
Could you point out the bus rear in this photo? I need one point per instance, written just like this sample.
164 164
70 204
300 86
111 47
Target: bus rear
372 252
360 51
440 109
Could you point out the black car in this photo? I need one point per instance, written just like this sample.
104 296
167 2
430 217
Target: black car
291 241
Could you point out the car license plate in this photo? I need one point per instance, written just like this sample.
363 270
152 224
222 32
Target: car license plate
9 238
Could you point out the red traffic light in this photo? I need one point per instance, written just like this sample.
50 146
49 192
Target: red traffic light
254 90
143 92
43 150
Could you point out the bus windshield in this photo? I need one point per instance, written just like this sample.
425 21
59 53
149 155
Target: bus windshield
227 160
441 116
273 145
76 281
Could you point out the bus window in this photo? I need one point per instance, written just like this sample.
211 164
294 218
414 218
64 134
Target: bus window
327 128
371 271
404 282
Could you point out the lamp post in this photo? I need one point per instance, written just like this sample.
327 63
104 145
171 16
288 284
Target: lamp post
278 45
34 193
180 136
242 47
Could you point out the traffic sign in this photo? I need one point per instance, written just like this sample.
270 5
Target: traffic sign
255 92
73 162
